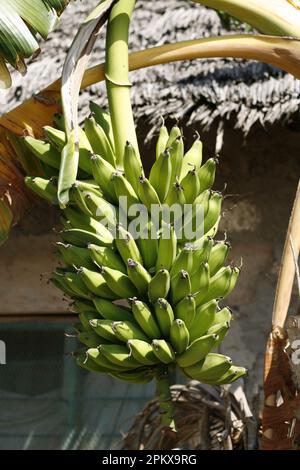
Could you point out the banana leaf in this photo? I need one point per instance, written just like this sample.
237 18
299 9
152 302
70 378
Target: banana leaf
21 21
275 17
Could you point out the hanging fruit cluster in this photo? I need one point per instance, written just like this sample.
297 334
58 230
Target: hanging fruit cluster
144 303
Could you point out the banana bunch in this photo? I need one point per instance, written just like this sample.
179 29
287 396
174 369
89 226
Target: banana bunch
143 302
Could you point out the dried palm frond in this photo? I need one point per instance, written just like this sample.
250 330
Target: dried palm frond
207 418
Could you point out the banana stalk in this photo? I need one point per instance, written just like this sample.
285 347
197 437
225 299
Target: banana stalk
165 399
117 79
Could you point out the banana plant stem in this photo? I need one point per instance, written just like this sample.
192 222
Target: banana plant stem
165 399
117 78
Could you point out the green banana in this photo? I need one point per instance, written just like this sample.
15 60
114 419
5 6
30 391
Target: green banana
197 350
103 172
142 352
96 283
43 151
83 306
167 248
110 311
221 284
174 134
201 207
132 167
164 316
105 256
204 319
85 318
147 194
59 282
180 286
57 139
207 174
175 195
78 198
218 256
160 175
74 255
191 186
75 283
183 261
159 285
163 351
200 279
126 330
179 336
82 238
220 329
148 246
104 329
192 158
84 222
222 316
162 140
119 355
42 187
176 155
99 141
214 211
86 362
145 318
136 376
89 185
97 355
231 375
85 150
185 310
100 209
103 119
127 246
118 282
138 275
31 165
123 189
91 340
210 369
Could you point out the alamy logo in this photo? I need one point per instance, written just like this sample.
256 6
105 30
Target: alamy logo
187 219
295 357
2 353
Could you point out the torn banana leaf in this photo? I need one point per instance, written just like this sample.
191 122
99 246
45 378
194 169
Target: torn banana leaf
20 22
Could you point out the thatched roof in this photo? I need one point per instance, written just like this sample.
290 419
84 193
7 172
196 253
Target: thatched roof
200 92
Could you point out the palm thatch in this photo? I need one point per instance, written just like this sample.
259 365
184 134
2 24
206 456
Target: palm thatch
200 93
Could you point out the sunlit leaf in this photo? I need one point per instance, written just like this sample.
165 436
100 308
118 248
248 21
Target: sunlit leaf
20 22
